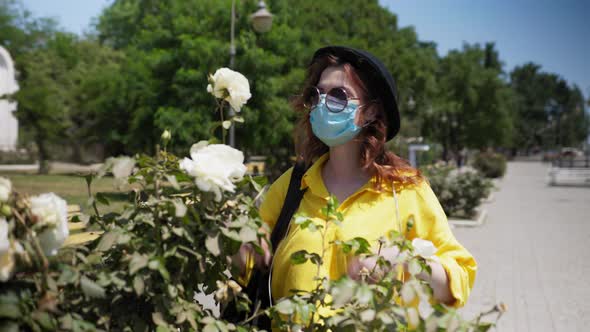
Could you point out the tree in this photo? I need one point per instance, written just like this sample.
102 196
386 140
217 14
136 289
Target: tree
548 112
168 61
68 89
473 102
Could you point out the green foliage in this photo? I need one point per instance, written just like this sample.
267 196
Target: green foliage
145 71
460 191
168 61
490 164
166 246
473 102
548 112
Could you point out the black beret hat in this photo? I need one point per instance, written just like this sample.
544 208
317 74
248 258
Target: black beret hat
380 82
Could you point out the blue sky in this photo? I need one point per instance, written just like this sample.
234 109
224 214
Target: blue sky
554 34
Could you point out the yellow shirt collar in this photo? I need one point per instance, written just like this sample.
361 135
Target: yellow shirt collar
313 180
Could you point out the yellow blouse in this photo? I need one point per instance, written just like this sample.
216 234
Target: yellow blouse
370 214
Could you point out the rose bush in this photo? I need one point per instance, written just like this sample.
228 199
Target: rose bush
460 191
490 164
32 229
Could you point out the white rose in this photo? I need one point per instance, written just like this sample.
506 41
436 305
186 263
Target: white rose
123 167
52 211
231 86
215 167
423 248
5 189
6 257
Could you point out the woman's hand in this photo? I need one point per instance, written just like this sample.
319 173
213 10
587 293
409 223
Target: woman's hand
240 259
438 280
357 264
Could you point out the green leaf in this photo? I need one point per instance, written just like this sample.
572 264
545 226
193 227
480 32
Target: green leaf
363 246
158 319
91 288
138 285
212 244
9 326
367 315
137 262
173 181
179 208
45 320
210 328
10 310
157 264
306 223
485 326
231 234
89 179
342 292
102 199
299 257
285 307
259 182
248 234
107 240
68 275
238 119
315 258
414 267
364 294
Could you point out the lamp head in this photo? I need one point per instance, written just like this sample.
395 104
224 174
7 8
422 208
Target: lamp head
262 18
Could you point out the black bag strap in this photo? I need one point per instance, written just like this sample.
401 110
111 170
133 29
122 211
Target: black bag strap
290 205
257 289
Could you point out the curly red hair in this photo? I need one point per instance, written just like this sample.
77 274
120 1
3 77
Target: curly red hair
384 165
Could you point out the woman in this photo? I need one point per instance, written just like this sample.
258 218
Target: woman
349 111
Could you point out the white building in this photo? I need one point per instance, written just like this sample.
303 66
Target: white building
8 85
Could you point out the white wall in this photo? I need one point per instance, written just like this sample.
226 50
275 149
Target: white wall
8 85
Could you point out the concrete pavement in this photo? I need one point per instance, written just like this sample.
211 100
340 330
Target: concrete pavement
533 253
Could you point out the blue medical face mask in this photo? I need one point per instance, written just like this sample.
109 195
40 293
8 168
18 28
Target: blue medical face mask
334 128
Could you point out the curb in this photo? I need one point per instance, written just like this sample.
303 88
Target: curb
478 221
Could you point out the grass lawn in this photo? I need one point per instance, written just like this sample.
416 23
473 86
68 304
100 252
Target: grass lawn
72 188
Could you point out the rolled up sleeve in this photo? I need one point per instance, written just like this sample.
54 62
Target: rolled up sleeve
432 225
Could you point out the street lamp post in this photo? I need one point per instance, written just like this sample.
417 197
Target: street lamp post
261 22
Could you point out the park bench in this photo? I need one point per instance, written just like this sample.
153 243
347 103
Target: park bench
78 233
570 171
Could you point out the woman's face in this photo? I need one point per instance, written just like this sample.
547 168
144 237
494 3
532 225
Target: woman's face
336 77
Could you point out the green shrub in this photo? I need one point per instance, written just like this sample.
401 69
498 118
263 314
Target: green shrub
460 191
490 164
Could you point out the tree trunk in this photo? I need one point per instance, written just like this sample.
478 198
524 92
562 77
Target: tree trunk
43 155
77 152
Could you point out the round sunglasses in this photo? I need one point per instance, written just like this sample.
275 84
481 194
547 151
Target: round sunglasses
336 99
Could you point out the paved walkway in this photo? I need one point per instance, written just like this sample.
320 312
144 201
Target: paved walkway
533 253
